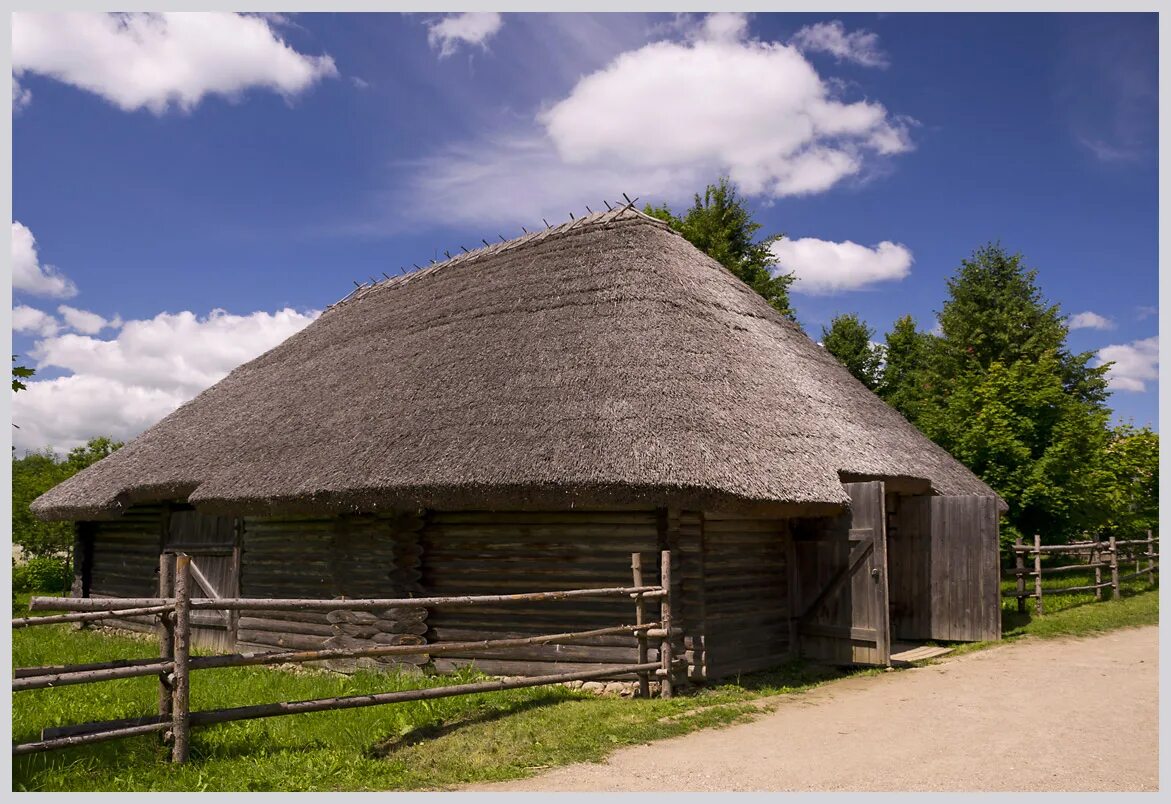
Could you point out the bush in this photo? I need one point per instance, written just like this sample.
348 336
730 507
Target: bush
42 574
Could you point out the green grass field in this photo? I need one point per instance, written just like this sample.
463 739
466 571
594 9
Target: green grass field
422 745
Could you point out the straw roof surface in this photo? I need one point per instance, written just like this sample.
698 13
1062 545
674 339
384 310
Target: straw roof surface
605 362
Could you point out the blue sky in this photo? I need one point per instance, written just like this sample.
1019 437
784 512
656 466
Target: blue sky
188 191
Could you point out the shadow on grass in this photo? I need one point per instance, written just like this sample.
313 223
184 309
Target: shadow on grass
793 674
432 731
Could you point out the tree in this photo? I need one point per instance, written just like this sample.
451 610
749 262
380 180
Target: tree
905 358
32 476
1132 456
719 224
20 373
850 341
1004 395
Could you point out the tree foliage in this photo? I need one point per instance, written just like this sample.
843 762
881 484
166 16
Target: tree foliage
719 224
905 356
19 374
32 476
849 339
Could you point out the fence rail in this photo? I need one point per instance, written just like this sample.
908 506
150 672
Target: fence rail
1100 556
175 664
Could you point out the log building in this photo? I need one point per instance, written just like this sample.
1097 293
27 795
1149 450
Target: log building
525 416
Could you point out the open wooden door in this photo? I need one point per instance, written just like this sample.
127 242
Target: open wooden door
214 548
840 596
965 568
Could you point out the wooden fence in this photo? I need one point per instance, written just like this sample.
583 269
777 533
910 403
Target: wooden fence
1101 556
175 664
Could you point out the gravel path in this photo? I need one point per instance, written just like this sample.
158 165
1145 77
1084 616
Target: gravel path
1068 714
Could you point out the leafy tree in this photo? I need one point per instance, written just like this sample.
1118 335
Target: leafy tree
32 476
1005 396
20 373
719 224
850 341
1132 456
905 359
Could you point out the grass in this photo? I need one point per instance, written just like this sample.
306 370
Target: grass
422 745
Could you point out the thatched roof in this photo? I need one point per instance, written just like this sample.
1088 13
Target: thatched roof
604 362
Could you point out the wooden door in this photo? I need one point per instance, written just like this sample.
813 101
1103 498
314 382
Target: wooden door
215 570
965 568
840 584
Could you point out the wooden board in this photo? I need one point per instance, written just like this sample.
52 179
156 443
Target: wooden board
965 568
840 577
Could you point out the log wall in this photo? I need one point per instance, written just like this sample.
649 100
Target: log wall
367 556
469 553
123 558
745 589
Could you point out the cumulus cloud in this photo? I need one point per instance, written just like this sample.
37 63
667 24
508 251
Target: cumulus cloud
85 322
162 60
455 30
32 321
121 385
1090 320
29 275
1135 364
661 120
823 267
859 47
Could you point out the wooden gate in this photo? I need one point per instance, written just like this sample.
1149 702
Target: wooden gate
840 583
213 544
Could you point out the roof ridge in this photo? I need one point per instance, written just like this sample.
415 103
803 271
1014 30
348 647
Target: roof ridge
625 212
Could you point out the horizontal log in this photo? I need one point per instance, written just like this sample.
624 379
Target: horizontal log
1052 570
444 634
28 672
40 603
92 737
86 616
285 626
1134 575
442 519
516 667
208 717
290 640
90 676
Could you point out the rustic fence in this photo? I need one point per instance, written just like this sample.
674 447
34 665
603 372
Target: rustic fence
175 664
1110 555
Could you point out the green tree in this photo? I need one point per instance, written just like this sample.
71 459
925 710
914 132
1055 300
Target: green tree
1005 396
850 341
20 373
905 358
719 224
1132 457
32 476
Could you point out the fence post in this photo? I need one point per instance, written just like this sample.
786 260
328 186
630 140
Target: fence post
1114 568
644 682
1152 565
1096 560
1037 571
1019 548
180 686
166 633
665 652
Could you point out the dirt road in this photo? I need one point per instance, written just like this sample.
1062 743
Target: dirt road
1069 714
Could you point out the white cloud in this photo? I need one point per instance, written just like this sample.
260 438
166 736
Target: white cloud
659 121
21 96
1135 364
32 321
27 272
162 60
120 386
85 322
860 47
1090 320
455 30
824 267
724 26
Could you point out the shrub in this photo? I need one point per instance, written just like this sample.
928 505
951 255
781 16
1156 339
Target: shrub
42 574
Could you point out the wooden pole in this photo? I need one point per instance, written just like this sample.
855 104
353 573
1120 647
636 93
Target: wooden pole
1037 570
1096 560
1019 550
84 739
1154 564
1114 569
85 616
180 686
665 656
644 679
88 676
166 633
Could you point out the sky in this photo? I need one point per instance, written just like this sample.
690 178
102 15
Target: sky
191 189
